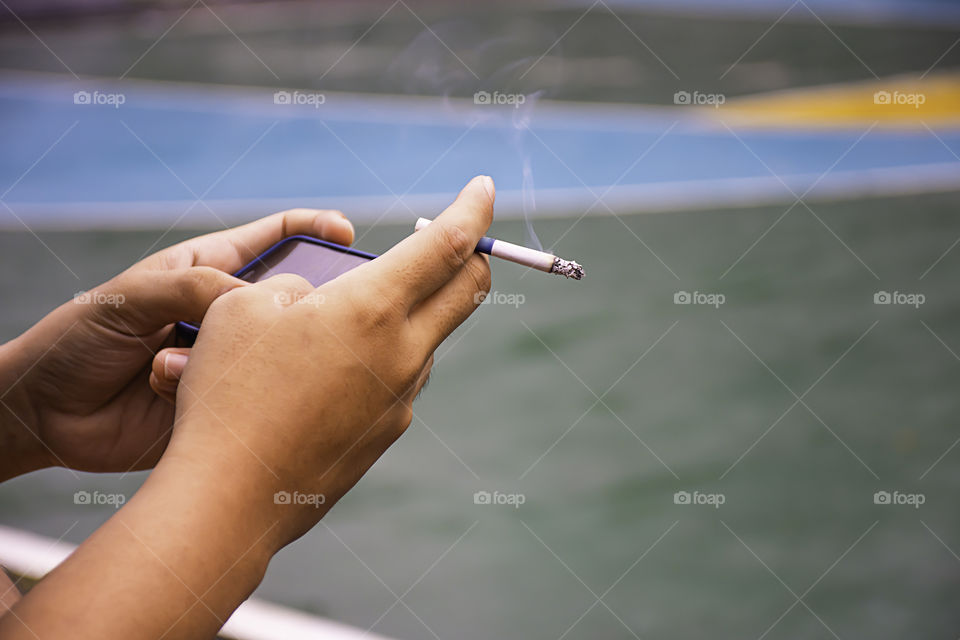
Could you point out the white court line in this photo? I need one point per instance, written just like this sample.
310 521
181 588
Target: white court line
661 197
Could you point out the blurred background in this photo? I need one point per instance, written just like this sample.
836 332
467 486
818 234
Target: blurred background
741 423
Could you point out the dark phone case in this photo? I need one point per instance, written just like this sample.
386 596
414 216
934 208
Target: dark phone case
186 333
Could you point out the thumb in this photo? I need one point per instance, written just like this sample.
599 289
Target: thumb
431 257
146 301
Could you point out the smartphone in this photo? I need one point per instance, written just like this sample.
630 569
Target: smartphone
316 260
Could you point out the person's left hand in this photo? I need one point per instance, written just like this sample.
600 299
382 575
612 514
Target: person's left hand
75 390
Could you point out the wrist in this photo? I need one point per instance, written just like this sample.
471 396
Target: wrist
221 484
194 517
249 482
175 561
21 449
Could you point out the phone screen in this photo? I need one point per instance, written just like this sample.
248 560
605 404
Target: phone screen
315 262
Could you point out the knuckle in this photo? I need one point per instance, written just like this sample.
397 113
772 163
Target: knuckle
479 271
415 366
288 282
194 279
301 219
410 374
453 245
228 301
292 212
402 417
191 285
293 280
405 417
198 287
427 369
383 310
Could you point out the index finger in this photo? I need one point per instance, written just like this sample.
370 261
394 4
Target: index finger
230 249
423 262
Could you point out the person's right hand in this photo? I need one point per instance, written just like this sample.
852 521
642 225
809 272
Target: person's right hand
300 390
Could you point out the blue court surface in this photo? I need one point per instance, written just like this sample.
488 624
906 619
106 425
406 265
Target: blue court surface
201 156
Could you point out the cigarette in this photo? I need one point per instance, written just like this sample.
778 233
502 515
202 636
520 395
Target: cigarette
523 255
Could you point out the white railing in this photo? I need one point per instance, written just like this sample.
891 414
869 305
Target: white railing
33 556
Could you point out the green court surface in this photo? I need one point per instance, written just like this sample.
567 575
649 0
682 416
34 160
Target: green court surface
791 411
692 398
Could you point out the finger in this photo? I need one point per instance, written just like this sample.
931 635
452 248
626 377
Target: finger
165 390
426 260
436 317
231 249
145 301
168 364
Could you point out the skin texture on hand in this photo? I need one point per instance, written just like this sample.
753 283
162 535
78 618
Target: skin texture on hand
76 388
287 398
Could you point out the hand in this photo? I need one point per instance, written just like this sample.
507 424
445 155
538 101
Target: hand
75 388
277 396
303 397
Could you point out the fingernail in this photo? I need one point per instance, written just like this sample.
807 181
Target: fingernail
348 224
173 365
486 183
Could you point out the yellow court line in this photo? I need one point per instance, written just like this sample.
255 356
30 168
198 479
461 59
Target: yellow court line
898 101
